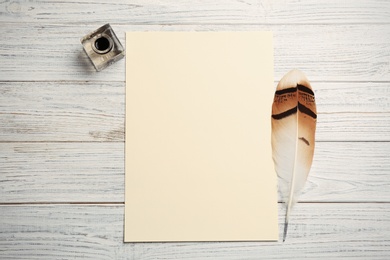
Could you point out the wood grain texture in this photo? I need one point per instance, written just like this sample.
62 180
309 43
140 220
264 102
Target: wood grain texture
60 111
50 52
197 12
62 126
94 111
96 232
94 172
62 172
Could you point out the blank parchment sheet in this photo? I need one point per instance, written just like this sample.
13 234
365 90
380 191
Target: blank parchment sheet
198 152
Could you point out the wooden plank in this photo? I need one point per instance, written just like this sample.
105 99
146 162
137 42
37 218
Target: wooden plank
49 52
57 172
317 231
351 97
198 12
94 172
57 111
353 127
349 172
92 111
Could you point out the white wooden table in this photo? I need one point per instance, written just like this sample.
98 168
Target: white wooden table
62 126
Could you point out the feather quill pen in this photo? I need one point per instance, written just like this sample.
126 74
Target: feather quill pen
294 118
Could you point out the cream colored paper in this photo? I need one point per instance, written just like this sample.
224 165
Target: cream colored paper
198 137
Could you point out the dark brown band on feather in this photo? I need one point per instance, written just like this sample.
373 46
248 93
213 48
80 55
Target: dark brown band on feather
305 89
303 139
285 91
285 113
306 111
291 90
293 110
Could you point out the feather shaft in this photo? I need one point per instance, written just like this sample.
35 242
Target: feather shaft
291 195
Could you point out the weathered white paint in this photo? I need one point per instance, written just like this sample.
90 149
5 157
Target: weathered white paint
94 172
316 231
339 52
94 111
197 12
62 126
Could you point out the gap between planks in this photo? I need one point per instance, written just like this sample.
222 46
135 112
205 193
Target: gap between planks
121 81
123 203
107 141
60 203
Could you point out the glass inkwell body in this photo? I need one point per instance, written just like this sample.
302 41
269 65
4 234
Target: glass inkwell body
102 47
